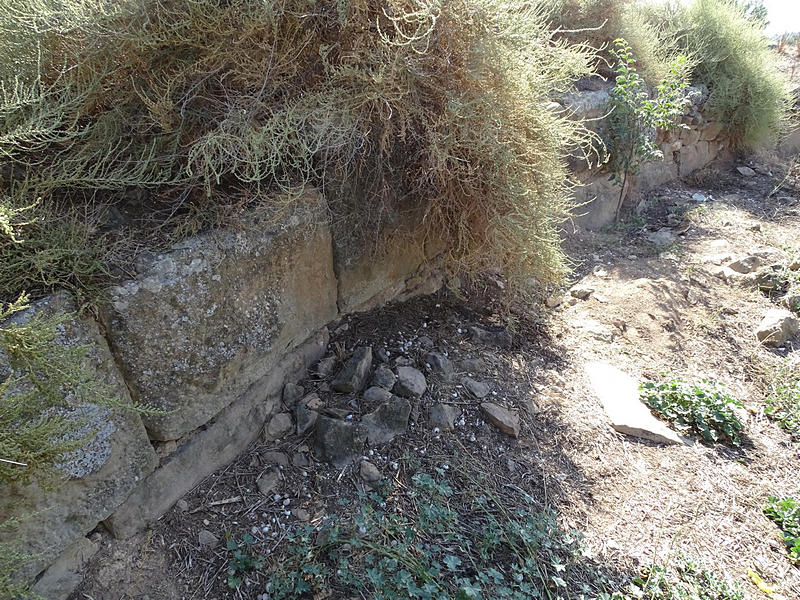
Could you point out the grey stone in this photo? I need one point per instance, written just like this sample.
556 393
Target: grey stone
472 365
777 327
216 445
792 300
383 355
581 291
746 265
376 395
182 505
440 364
300 460
425 342
618 393
99 476
501 418
353 376
325 367
443 416
291 394
746 171
479 389
279 427
306 418
207 539
66 573
206 321
269 482
663 237
410 382
275 458
301 514
384 377
387 421
500 339
339 442
369 472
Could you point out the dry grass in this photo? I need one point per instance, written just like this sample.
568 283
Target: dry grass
390 106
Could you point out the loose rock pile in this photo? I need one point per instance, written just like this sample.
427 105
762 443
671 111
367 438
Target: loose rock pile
369 397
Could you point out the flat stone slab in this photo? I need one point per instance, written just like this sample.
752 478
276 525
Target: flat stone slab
618 392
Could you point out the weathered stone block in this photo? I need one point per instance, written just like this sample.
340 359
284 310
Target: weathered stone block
400 266
203 323
235 428
98 477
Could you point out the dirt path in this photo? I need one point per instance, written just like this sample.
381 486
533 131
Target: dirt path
654 307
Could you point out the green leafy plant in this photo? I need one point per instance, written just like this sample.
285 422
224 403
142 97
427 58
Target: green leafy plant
786 513
636 114
242 560
685 579
417 543
783 398
702 407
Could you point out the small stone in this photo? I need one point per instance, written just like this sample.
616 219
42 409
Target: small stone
581 292
443 416
383 355
440 364
384 377
301 514
425 342
306 418
354 374
291 394
182 505
300 460
794 264
276 458
410 382
663 237
268 482
502 418
792 300
339 442
554 300
746 265
325 367
698 197
746 171
312 401
404 361
777 327
369 472
478 389
376 395
501 339
387 421
207 539
472 365
279 426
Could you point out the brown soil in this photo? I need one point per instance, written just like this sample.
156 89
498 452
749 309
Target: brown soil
653 310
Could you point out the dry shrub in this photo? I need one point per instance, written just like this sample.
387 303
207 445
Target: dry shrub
599 22
391 105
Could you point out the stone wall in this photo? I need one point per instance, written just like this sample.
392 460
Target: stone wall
209 333
696 145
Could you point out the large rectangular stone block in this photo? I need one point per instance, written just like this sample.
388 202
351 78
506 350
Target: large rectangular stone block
96 478
202 324
217 444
